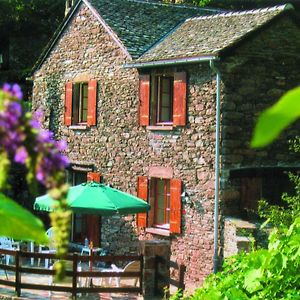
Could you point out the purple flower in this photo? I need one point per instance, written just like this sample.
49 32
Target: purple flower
6 87
14 90
37 117
18 138
40 175
35 124
45 136
21 155
61 145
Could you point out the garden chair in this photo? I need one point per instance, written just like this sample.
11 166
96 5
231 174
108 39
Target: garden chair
68 279
133 266
8 244
2 256
50 249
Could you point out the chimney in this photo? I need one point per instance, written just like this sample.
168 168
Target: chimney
69 4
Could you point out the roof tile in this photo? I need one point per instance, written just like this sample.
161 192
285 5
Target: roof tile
139 24
208 35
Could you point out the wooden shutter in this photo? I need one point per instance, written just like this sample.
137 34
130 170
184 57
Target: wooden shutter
93 176
68 103
175 205
93 221
142 192
92 103
144 100
179 99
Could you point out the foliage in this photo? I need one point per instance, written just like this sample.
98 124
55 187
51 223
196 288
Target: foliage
40 16
280 215
272 273
24 142
267 274
19 223
276 118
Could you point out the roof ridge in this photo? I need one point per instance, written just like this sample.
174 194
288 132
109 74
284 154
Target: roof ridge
151 2
245 12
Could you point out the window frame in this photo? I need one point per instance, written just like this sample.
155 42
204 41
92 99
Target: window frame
86 100
76 217
78 103
158 100
145 220
166 199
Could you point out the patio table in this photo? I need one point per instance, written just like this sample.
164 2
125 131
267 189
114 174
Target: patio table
88 250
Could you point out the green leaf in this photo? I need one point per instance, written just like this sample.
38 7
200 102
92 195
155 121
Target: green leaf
252 282
276 118
4 168
19 223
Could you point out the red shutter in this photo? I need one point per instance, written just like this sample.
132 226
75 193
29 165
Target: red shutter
179 100
175 206
92 102
93 221
68 103
144 97
93 176
142 192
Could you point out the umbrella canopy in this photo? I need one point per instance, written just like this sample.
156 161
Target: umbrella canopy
96 198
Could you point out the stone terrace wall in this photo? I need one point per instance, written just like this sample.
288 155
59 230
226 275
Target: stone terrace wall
121 150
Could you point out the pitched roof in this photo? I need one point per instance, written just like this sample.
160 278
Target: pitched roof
208 36
138 24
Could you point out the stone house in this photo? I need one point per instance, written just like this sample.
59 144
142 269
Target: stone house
161 101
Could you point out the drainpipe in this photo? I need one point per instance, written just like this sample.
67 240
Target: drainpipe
217 167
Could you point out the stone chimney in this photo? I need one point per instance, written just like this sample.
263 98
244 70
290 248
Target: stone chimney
69 4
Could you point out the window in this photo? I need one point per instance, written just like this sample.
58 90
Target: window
80 103
164 196
79 220
160 195
84 225
163 99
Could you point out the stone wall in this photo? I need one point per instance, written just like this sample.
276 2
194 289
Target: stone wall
254 77
235 241
121 150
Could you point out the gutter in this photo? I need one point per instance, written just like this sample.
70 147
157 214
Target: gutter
168 62
217 167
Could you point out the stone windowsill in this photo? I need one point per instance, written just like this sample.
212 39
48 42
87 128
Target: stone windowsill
158 231
78 127
160 127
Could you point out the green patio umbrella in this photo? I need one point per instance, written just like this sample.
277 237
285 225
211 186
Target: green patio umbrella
96 198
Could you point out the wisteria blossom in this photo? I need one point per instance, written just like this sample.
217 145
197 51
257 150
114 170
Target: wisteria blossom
23 139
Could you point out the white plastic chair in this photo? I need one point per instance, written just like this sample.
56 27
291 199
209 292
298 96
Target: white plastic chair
133 266
48 249
8 244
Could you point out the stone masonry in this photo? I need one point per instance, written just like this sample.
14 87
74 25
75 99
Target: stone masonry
121 150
